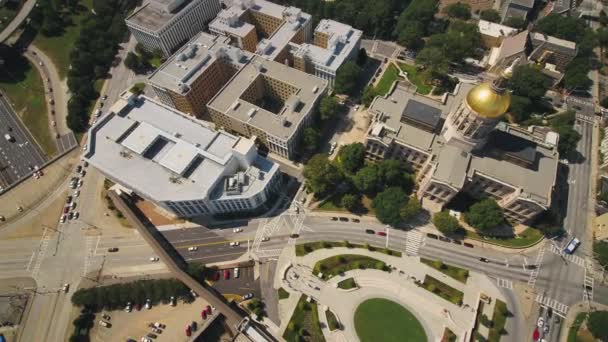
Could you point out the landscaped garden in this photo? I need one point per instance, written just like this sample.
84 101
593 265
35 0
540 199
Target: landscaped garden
443 290
457 273
304 323
527 238
337 264
390 75
415 76
308 247
332 321
499 320
347 284
283 294
381 320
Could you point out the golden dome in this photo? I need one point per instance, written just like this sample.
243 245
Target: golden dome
487 102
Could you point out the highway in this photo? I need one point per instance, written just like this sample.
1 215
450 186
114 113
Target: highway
18 157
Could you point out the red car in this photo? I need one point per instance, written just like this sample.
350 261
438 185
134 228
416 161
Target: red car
226 274
188 330
66 210
216 276
208 309
381 233
204 314
137 307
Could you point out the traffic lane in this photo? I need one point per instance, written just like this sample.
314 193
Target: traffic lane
11 119
244 284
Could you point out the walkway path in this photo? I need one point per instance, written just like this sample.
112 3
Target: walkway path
19 18
433 312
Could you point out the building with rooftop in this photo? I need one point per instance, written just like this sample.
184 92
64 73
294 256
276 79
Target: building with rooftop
196 72
333 44
269 101
551 50
263 27
181 164
165 25
520 8
462 146
492 34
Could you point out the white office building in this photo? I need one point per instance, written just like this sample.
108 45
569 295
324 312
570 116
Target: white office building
165 25
179 163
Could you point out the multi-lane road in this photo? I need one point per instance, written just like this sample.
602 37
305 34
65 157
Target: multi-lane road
20 155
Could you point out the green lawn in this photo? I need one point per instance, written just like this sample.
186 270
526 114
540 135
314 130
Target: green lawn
283 294
390 75
499 318
332 321
443 290
308 247
334 203
416 77
23 86
573 330
457 273
347 284
345 262
381 320
527 238
58 48
156 62
304 321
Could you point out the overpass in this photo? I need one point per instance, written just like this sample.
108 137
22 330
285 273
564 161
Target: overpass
24 12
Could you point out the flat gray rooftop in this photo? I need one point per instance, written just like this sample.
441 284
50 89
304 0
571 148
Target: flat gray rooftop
308 89
193 59
152 16
162 153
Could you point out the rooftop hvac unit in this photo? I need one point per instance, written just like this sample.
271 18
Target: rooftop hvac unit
251 112
182 57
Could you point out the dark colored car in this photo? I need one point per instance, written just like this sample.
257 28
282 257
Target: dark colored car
356 220
343 219
208 309
294 236
334 218
113 249
204 314
484 259
370 231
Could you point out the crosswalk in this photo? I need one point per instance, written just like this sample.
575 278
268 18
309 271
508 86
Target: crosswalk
560 309
569 257
504 283
91 243
413 241
534 273
44 244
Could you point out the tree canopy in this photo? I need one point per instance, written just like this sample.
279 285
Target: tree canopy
484 215
490 15
600 249
516 22
388 203
445 223
460 41
458 10
329 108
311 139
321 175
351 157
351 202
413 23
529 81
575 76
568 136
368 179
596 322
410 209
346 78
564 27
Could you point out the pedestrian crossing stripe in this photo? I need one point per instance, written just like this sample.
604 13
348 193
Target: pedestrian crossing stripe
558 308
569 257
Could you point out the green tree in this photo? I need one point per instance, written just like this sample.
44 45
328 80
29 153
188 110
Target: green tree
446 223
490 15
520 108
528 81
565 27
575 75
351 157
421 11
329 108
434 60
484 215
387 205
458 11
311 138
596 322
369 93
410 209
367 180
600 249
351 202
361 57
604 102
346 78
321 175
516 22
411 35
133 62
394 173
568 136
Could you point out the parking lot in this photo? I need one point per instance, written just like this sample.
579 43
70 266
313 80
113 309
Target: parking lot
235 287
21 154
135 324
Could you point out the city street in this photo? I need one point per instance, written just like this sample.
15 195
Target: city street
19 156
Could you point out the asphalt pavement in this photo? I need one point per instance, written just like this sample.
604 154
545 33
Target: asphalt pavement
19 156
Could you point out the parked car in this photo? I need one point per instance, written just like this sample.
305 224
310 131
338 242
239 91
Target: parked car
381 233
172 301
237 230
66 209
66 287
294 236
236 272
204 314
226 274
104 324
369 231
154 259
343 219
148 304
356 220
113 249
157 331
248 296
128 307
484 259
62 219
208 309
76 193
68 200
334 218
265 238
106 317
192 249
78 168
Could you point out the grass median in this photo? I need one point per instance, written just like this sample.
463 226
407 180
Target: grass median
442 290
457 273
309 247
338 264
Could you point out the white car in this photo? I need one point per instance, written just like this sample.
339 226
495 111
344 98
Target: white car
66 288
79 183
234 243
154 259
148 304
63 218
76 215
237 230
541 322
236 272
192 249
76 193
128 307
265 238
248 296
